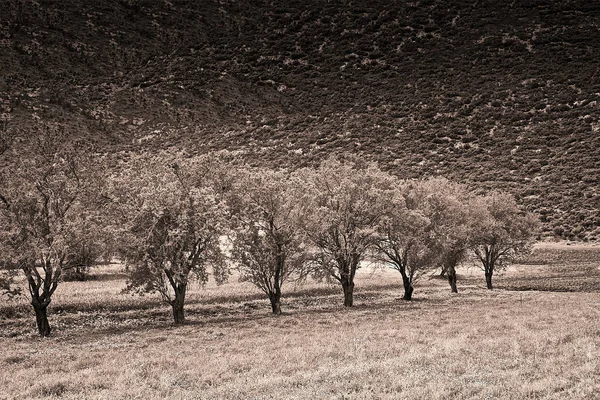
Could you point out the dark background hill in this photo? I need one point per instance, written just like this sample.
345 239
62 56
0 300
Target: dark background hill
491 93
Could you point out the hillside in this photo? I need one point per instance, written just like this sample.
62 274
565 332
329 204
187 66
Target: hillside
493 94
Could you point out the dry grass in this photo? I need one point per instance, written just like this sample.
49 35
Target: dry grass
477 344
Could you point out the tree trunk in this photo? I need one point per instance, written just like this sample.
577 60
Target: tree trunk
41 318
177 304
452 279
348 292
275 295
178 314
408 288
275 302
488 279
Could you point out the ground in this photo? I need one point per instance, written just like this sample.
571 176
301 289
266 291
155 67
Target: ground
537 335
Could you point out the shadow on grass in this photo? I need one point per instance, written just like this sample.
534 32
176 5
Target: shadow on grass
152 301
217 316
227 310
223 311
208 319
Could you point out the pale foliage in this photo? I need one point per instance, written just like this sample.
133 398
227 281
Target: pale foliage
502 233
170 220
453 214
342 204
46 212
268 245
48 207
407 239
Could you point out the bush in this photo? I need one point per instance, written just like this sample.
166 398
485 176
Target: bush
78 265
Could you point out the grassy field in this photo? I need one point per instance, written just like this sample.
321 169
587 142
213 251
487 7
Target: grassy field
536 336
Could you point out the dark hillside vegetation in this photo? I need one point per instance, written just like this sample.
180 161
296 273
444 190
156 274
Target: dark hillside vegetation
493 94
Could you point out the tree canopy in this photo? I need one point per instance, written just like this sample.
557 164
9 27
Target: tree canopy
502 233
173 221
48 204
268 242
342 204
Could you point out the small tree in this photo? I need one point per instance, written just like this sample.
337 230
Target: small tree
267 242
45 206
342 205
407 239
173 221
7 286
85 253
502 234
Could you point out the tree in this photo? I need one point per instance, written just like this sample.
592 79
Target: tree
7 275
452 214
342 205
407 240
502 234
87 252
173 221
268 246
454 252
45 207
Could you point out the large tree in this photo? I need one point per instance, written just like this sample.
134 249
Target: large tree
268 245
46 206
342 205
407 239
173 220
502 233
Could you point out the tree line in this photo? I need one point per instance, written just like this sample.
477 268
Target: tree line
174 219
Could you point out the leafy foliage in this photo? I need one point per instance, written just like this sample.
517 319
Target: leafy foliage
502 234
45 214
452 211
174 220
406 235
268 243
7 286
342 203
